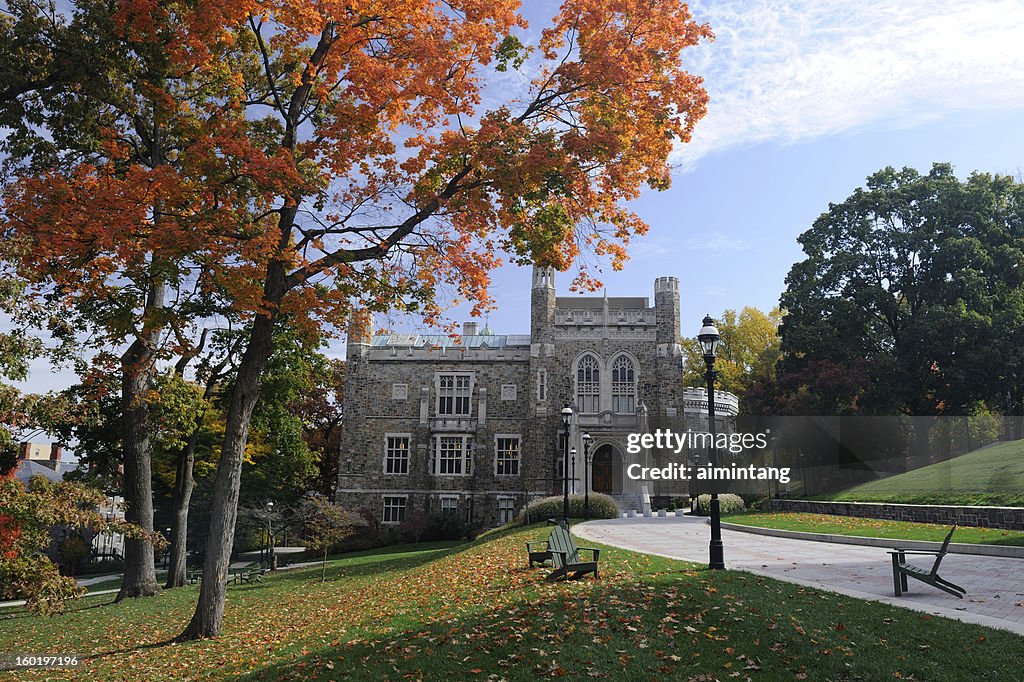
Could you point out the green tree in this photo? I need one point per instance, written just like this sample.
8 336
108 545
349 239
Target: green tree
905 282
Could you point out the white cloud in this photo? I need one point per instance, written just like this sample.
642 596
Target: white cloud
793 70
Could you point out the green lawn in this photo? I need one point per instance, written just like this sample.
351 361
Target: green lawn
475 612
990 476
876 528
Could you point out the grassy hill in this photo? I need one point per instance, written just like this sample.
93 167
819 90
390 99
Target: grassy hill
475 612
990 476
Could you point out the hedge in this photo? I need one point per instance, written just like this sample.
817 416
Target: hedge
727 504
601 507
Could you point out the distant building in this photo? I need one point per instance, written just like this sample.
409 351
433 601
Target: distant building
42 459
473 425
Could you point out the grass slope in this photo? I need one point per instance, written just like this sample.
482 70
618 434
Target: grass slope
477 613
876 528
990 476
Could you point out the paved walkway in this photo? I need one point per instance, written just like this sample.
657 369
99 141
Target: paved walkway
995 585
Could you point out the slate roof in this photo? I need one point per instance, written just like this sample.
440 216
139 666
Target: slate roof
28 468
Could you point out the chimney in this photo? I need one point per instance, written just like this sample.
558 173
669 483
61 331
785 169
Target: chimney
55 452
25 448
470 328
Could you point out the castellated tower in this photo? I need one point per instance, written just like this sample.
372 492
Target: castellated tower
542 305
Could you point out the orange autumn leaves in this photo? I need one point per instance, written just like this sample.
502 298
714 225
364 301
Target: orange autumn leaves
347 141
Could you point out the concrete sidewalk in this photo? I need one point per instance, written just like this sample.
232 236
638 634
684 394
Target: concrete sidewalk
995 585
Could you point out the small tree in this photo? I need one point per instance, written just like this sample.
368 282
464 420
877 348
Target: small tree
327 524
25 570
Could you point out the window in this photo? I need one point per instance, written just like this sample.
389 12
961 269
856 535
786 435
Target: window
623 386
506 510
449 504
506 456
452 455
394 510
588 385
453 394
396 454
542 385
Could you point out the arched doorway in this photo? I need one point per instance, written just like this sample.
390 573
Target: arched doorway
601 470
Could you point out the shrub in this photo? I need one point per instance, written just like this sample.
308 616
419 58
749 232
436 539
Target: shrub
601 507
727 503
446 525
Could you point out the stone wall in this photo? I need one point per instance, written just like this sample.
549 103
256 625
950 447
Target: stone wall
1006 518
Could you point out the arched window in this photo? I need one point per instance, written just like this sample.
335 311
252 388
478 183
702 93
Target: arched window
623 386
588 385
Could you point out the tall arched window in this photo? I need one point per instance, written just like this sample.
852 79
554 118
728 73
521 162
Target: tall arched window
588 385
623 386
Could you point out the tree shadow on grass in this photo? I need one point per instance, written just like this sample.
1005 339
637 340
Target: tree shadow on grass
670 625
392 562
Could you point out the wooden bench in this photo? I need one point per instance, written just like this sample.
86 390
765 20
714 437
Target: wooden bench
901 569
538 552
565 558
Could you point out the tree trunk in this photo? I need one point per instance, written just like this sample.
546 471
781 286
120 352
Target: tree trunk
183 485
323 569
209 614
136 377
139 569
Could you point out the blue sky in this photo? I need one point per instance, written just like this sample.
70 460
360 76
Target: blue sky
807 99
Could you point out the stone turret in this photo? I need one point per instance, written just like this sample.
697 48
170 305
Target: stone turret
666 304
360 334
542 305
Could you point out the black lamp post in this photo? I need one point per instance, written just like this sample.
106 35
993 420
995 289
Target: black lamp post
566 419
271 563
709 340
586 475
572 454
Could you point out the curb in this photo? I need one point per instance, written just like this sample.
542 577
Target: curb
954 547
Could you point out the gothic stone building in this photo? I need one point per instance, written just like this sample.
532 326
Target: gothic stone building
473 425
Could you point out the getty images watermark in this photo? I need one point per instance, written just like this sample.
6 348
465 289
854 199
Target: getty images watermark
695 441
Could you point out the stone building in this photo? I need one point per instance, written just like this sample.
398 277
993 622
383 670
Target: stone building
473 425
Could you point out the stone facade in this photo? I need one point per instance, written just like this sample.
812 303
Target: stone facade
474 424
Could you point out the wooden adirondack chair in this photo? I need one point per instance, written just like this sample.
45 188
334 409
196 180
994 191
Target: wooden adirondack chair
901 569
538 552
565 556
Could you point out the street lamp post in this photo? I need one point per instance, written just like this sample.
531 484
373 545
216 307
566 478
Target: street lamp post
709 340
271 564
572 453
566 419
586 475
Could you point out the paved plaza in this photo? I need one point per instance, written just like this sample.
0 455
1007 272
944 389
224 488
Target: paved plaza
995 585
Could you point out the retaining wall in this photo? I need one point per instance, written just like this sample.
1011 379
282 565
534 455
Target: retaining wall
1007 518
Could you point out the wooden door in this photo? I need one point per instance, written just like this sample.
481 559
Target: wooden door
601 472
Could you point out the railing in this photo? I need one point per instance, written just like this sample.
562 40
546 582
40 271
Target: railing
448 424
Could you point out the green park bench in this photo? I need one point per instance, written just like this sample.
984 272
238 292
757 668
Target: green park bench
901 569
565 558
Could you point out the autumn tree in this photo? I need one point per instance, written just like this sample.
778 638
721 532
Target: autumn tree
326 525
115 205
335 157
747 354
28 515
